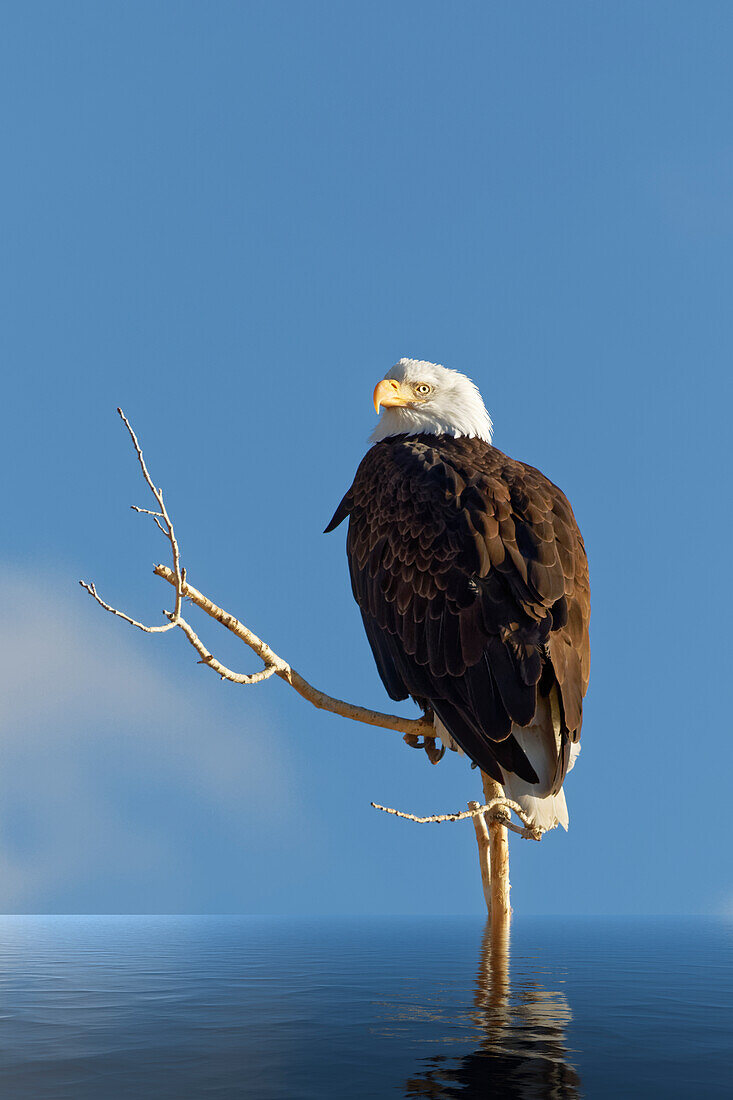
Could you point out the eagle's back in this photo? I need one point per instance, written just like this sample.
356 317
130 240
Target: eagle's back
472 580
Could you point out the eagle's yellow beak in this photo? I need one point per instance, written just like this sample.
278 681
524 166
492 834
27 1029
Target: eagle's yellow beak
389 393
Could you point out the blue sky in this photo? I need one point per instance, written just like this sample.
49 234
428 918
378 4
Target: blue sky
231 219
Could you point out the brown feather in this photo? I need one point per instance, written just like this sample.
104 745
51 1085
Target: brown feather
472 578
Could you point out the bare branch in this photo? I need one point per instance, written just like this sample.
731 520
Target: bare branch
274 665
155 515
121 615
221 670
490 820
495 810
169 533
146 511
158 494
500 908
484 852
285 672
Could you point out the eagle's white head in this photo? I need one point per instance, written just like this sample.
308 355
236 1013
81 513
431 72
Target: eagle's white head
424 397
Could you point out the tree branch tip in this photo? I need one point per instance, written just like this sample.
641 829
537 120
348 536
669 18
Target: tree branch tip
496 810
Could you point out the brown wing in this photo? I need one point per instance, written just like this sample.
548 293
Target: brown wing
472 580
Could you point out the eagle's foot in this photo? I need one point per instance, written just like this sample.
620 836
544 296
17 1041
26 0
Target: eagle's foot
434 754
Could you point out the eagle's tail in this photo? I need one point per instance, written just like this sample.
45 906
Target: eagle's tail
541 744
546 811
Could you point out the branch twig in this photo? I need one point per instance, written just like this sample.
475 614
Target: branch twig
282 669
495 810
221 670
273 665
169 533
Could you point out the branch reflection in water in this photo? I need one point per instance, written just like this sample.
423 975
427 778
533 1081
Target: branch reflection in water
522 1051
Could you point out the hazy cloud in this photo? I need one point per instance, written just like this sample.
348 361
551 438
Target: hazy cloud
119 784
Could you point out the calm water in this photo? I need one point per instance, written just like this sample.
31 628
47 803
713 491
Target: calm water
178 1007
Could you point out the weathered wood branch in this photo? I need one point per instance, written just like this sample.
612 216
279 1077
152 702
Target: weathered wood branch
277 666
498 824
496 809
484 854
491 820
169 533
274 665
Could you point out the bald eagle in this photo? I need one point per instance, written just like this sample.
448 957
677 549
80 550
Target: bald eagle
472 580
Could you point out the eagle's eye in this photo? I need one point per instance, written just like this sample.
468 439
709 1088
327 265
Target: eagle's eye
423 389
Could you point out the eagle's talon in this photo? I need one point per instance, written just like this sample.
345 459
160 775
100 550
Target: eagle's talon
435 755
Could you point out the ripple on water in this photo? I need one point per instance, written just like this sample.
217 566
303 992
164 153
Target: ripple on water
273 1008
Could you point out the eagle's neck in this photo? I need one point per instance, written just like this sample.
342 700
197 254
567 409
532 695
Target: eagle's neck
460 419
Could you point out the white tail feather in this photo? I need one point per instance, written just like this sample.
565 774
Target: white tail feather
541 744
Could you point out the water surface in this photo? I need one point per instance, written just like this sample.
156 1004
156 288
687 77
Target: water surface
275 1008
